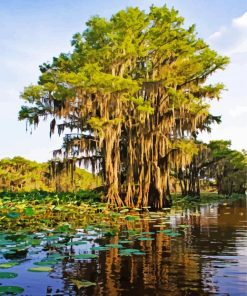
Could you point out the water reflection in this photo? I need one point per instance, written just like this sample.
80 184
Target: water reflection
209 258
206 254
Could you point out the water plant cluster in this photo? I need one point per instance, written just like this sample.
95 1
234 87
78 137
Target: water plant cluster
39 232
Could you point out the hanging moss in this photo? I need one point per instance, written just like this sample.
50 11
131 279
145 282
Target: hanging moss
133 94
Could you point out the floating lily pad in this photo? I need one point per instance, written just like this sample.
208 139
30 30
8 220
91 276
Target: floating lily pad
174 234
148 232
166 231
130 252
100 248
85 256
139 253
125 254
8 264
145 238
51 238
13 215
56 257
7 243
29 211
77 243
8 275
125 241
40 269
115 246
10 290
82 284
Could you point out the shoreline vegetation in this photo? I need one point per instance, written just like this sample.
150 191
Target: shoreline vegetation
39 210
40 232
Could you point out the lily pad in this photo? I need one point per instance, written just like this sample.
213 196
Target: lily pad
145 238
100 248
125 241
56 257
29 211
148 232
115 246
77 243
8 265
8 275
139 253
40 269
13 215
45 263
166 231
10 290
85 256
130 252
82 284
174 234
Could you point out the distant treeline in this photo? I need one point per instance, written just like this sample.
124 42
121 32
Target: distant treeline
213 167
19 174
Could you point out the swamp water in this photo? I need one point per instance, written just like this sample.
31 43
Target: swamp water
199 251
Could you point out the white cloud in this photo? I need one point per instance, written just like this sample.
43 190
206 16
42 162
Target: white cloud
231 39
238 111
216 35
240 22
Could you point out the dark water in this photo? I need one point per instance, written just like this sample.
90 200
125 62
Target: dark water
205 254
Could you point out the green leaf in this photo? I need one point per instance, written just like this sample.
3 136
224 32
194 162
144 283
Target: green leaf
145 238
13 215
82 284
10 290
8 275
100 248
40 269
76 243
8 264
29 211
115 246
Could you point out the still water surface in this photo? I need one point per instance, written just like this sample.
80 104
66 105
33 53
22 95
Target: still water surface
200 251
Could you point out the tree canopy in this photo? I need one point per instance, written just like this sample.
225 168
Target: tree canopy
133 93
18 174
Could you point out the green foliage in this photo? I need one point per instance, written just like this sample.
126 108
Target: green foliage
134 91
19 174
228 167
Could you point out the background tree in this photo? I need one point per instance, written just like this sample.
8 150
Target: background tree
134 91
228 168
21 175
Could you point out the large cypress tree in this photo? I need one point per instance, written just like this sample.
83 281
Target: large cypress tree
133 93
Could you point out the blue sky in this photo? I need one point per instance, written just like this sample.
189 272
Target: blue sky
33 31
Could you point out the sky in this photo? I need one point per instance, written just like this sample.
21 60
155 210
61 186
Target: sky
33 31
